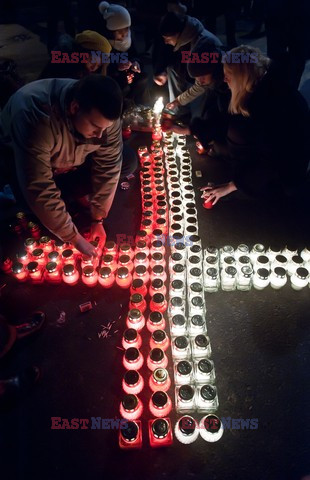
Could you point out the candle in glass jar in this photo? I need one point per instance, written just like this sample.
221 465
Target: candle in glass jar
157 359
54 256
131 338
155 321
23 257
125 261
123 277
46 244
159 339
157 286
39 256
19 272
138 286
135 319
137 301
141 259
160 380
110 262
110 248
130 435
141 246
131 407
160 404
106 277
125 249
158 303
68 256
89 276
70 275
35 272
186 430
30 244
133 360
211 428
158 272
52 273
160 432
132 382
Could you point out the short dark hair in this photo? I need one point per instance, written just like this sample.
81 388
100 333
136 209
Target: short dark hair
172 24
101 93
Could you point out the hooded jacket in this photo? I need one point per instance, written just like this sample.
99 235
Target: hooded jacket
35 123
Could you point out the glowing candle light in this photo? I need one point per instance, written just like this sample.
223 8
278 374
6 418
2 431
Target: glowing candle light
123 277
157 259
186 430
157 286
35 272
131 407
141 247
160 432
106 277
157 359
132 382
46 244
23 257
138 286
130 435
160 404
30 244
70 275
89 276
141 259
19 272
157 247
138 302
133 360
125 261
157 134
158 272
142 273
52 273
39 256
142 149
135 319
87 261
110 248
147 225
131 338
68 256
160 380
155 321
110 262
159 339
125 249
59 245
158 303
211 428
54 256
98 249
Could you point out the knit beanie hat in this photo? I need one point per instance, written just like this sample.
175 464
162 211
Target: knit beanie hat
204 67
93 41
115 16
172 24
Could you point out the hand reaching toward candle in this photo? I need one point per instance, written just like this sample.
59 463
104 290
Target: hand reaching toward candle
124 66
161 79
173 105
97 230
136 67
84 246
213 194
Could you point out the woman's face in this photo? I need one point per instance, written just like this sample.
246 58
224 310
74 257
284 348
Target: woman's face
121 34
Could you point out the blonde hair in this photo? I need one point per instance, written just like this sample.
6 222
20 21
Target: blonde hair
246 76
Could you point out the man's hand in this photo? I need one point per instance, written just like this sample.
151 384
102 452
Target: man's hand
173 105
135 67
213 194
180 130
84 246
161 79
124 66
97 231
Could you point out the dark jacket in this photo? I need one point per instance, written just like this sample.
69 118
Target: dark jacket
35 123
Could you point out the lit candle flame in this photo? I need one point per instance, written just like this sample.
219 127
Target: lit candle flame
158 106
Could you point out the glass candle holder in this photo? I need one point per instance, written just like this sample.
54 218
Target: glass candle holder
211 261
55 257
262 261
177 289
131 407
133 359
180 347
257 250
195 275
141 259
105 277
46 244
261 278
197 306
34 230
123 278
305 254
158 271
295 262
176 258
132 382
135 319
160 404
186 430
130 435
278 278
89 276
201 347
125 249
280 261
141 247
110 248
194 261
273 251
158 303
131 338
35 272
300 278
183 372
23 257
157 247
197 325
155 321
204 371
59 246
176 306
30 244
125 261
244 278
141 272
159 339
157 286
241 250
39 256
138 286
207 398
52 273
160 432
228 279
289 251
68 257
226 251
196 250
110 262
159 380
228 261
178 272
243 261
138 302
211 428
70 275
211 280
157 359
185 398
178 325
20 272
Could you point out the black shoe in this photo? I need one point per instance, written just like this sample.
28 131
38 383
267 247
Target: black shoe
14 388
35 323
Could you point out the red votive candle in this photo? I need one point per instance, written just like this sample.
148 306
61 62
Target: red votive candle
35 272
157 286
125 261
132 382
142 273
89 276
123 277
30 244
130 435
160 432
46 244
110 262
160 404
138 286
137 302
131 338
155 321
131 407
70 275
125 249
19 272
157 359
132 360
39 256
159 339
105 277
135 319
160 380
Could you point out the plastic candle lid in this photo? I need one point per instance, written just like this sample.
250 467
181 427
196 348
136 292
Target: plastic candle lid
37 252
157 283
160 428
181 342
195 249
244 259
136 298
122 272
51 267
194 259
263 273
204 365
231 271
158 298
159 336
130 402
132 354
66 253
208 392
130 334
186 392
180 246
263 259
105 272
17 267
140 269
184 367
177 284
187 425
229 260
212 272
201 341
130 432
68 269
88 271
156 317
280 272
178 320
156 354
197 301
131 377
302 273
159 399
196 272
178 268
212 260
197 320
281 258
134 314
176 301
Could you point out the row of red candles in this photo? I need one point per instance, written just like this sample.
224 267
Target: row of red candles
159 404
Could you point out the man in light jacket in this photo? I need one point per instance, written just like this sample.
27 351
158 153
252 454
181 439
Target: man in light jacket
52 126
